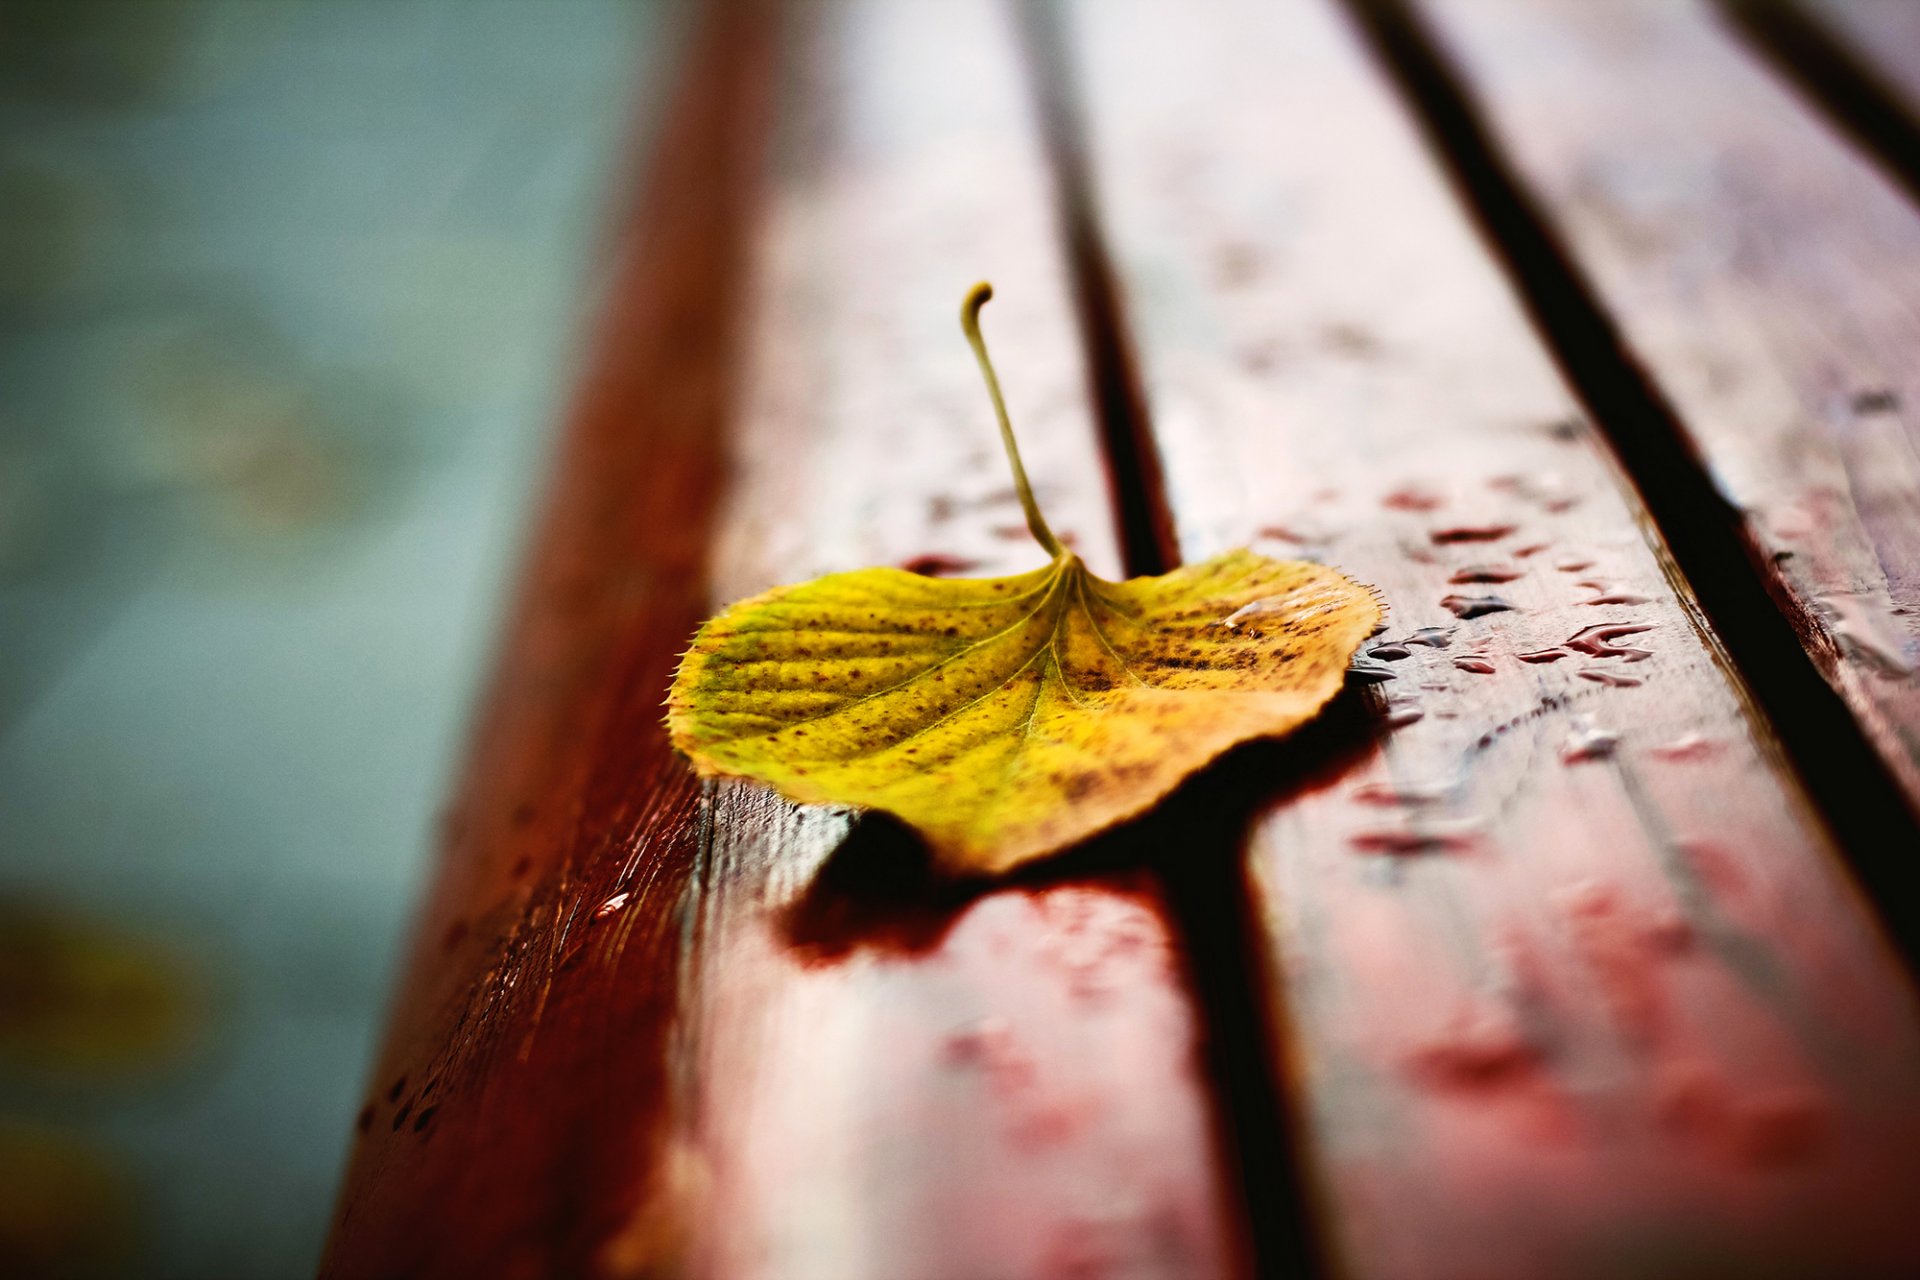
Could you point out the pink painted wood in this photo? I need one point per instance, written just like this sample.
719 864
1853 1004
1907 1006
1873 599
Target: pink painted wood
1572 982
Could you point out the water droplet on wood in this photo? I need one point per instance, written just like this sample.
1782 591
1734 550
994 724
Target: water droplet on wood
1688 746
1406 842
1485 1052
1471 533
1484 573
1608 593
938 565
1475 606
1368 671
1867 630
1412 498
1395 794
1598 640
1588 741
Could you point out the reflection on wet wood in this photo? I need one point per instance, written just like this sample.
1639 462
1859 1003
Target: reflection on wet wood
1572 980
1760 269
666 1029
1560 970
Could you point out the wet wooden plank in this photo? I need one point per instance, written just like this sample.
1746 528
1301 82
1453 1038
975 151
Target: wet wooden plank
1883 33
1570 980
1764 272
662 1029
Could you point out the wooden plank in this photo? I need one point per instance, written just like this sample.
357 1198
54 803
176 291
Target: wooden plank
668 1030
1763 272
1572 982
1883 34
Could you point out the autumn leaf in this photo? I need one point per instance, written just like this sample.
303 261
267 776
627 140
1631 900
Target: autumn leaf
1006 718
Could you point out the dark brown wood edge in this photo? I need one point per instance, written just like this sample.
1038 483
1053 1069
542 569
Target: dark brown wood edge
516 1123
1764 638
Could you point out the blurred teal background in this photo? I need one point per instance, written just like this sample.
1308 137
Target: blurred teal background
290 300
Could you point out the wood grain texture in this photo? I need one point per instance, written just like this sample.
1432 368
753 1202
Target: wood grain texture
1764 273
667 1030
1572 982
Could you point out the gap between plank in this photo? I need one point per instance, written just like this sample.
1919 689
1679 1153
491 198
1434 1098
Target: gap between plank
1204 874
1836 78
1148 543
1865 809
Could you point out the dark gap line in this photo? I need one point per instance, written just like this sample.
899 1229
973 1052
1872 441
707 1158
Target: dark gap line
1204 872
1867 813
1148 541
1836 77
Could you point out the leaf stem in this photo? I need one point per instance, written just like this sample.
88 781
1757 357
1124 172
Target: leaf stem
970 323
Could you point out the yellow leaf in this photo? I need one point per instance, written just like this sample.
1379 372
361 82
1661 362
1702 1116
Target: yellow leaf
1005 718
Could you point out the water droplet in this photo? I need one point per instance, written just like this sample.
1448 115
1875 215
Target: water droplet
1475 606
1299 604
1549 490
1474 662
1588 741
1394 795
1432 637
611 905
1530 550
1412 498
1367 671
1573 564
1406 842
1544 655
1607 593
938 565
1300 533
1778 1128
1390 652
1688 746
1402 714
1598 640
1481 1053
1471 533
1865 628
1671 934
1610 678
1484 573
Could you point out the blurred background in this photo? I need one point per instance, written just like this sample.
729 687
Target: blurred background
288 298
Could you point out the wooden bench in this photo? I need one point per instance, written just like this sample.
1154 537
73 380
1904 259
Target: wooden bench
1575 328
